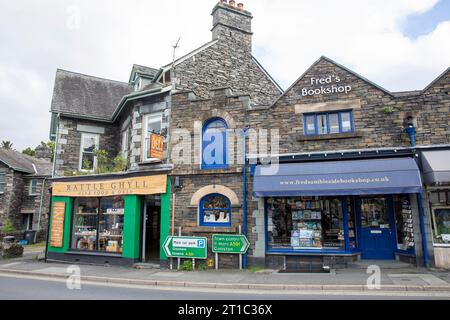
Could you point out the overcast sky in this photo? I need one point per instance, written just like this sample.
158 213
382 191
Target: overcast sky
399 44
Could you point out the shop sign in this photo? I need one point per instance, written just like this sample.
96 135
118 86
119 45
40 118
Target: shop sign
232 244
186 247
328 85
57 234
156 147
131 186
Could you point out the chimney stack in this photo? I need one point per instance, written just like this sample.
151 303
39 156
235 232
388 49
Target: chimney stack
232 24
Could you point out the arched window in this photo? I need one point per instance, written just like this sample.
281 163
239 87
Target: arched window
215 211
214 144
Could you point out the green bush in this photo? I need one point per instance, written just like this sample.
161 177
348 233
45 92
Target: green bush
187 266
8 226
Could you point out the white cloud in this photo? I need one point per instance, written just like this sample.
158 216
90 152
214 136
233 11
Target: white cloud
38 36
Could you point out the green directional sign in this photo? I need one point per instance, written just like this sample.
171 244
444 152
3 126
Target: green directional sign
232 244
186 247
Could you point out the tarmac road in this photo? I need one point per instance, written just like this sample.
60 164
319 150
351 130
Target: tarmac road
32 288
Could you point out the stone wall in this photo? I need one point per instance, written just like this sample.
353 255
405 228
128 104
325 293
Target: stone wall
375 127
11 199
69 140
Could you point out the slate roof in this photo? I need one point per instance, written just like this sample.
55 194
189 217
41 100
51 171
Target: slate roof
88 96
24 163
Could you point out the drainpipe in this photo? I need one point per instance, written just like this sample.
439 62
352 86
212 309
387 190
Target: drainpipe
48 226
244 231
40 206
56 145
426 258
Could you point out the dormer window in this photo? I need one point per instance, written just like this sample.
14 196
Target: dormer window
137 83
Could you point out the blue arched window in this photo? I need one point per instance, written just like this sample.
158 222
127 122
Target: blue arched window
214 144
215 211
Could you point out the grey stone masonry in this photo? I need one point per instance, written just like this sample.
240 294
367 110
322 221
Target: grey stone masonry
228 62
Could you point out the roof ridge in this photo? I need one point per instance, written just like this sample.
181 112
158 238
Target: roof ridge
93 77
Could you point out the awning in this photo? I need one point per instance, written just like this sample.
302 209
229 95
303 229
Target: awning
436 167
339 178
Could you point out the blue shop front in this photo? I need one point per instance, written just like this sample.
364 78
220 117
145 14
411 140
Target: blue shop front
369 209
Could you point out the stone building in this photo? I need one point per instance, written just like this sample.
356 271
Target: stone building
181 130
24 191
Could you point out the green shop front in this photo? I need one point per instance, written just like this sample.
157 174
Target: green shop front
115 220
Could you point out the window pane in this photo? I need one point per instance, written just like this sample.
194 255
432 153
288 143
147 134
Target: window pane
215 202
346 122
310 124
2 182
87 161
404 222
85 223
111 222
216 216
33 186
214 144
322 124
305 223
374 213
154 124
442 225
89 144
334 123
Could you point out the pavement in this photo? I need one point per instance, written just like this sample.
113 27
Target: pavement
393 279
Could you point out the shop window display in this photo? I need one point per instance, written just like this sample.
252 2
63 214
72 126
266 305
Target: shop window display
306 223
98 224
404 222
440 207
215 210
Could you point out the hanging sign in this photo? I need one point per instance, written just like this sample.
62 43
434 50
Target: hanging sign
156 149
57 233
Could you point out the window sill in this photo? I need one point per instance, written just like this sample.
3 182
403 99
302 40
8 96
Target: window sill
214 230
146 162
351 135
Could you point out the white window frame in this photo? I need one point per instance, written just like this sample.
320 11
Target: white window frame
29 223
443 245
145 137
30 191
125 143
3 184
97 143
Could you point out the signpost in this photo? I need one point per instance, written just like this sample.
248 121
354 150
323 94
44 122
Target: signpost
186 247
231 244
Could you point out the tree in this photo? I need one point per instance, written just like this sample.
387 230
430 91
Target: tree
7 144
30 152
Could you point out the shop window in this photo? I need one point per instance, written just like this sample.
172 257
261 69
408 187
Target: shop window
328 123
404 223
441 221
89 143
352 236
306 223
33 187
2 182
98 224
214 145
215 211
152 125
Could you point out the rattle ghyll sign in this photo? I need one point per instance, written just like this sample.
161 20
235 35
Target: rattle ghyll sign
131 186
57 226
328 85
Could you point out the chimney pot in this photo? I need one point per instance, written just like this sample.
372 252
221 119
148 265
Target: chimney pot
241 6
224 1
232 3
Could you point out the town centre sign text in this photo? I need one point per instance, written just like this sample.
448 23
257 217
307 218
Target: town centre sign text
328 85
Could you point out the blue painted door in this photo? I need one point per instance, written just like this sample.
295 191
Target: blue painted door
377 228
